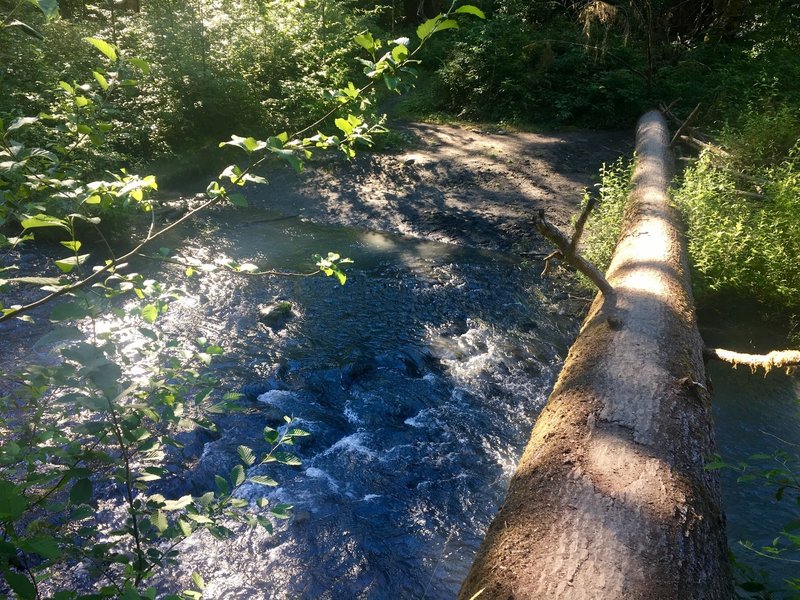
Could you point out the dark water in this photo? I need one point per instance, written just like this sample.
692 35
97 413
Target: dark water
754 414
419 381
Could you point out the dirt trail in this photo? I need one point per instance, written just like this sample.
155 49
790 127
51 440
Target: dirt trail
454 184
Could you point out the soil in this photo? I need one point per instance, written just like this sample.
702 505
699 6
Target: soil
456 184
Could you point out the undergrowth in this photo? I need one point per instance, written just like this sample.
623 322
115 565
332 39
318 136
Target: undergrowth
741 208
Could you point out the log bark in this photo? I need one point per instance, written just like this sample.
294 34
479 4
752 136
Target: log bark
610 499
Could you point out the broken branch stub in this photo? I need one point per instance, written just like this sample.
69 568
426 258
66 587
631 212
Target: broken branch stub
568 254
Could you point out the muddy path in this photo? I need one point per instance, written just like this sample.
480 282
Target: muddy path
463 185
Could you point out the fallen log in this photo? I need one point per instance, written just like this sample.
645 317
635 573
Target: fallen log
611 499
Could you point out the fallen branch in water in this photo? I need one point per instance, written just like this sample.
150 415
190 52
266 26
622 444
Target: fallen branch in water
777 359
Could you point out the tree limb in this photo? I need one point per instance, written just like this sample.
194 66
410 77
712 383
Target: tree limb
564 246
714 149
777 359
109 266
684 125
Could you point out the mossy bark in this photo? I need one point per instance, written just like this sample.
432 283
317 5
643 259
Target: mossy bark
610 499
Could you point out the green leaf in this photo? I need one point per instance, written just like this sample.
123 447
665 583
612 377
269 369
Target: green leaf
12 503
80 102
44 545
69 263
198 581
69 311
263 480
248 144
222 484
399 53
140 64
344 125
101 80
366 41
66 87
149 313
237 475
282 511
247 456
199 518
471 10
286 458
21 585
185 527
178 504
437 23
44 221
290 158
108 50
81 491
237 200
48 7
159 520
73 245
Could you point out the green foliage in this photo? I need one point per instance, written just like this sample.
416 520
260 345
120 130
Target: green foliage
605 221
601 64
101 422
744 226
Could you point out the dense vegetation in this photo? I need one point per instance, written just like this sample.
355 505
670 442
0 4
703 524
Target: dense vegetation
105 418
105 90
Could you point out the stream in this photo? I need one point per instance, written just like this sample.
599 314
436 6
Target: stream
419 381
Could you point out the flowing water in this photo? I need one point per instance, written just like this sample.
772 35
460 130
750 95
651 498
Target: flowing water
754 414
419 381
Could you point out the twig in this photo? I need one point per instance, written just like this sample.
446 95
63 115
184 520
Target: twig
777 359
684 125
110 265
576 260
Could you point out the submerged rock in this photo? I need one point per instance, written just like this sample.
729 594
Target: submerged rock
276 315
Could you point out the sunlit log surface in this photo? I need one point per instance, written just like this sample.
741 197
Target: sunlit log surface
610 499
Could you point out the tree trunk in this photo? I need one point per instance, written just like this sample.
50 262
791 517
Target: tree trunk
610 499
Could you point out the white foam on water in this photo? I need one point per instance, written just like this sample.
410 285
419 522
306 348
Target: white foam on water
351 415
351 443
320 474
369 497
419 420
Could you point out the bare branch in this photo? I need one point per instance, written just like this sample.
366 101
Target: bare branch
777 359
108 266
684 125
553 234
